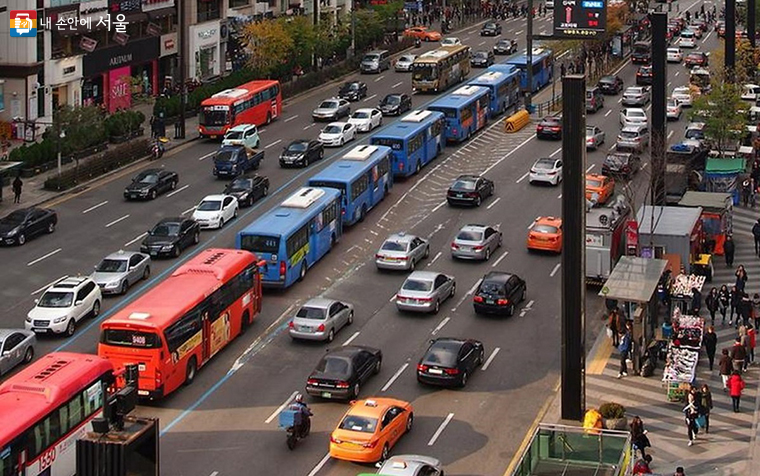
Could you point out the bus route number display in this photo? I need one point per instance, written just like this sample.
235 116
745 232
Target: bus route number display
580 18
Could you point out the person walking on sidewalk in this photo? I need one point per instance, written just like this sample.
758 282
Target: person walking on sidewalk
679 471
752 335
735 298
741 278
756 236
624 348
723 302
756 309
711 301
729 248
616 324
706 405
711 344
744 339
735 387
642 466
691 413
696 301
725 366
746 309
17 184
738 355
639 436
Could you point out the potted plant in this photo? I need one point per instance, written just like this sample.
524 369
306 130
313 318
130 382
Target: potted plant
613 415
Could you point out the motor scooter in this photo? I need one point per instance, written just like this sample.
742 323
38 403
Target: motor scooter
295 426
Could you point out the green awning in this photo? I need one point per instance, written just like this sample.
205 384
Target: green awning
724 166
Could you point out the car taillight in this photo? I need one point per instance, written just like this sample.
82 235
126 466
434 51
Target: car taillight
454 131
477 299
555 129
454 246
451 371
283 268
427 299
335 440
472 194
370 444
342 384
343 211
403 258
379 257
291 325
477 248
321 328
158 378
502 302
401 166
312 381
539 128
422 368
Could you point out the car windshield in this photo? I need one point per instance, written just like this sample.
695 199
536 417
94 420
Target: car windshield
590 131
391 99
607 80
417 285
616 160
225 156
333 365
234 135
633 91
165 229
148 178
394 246
593 183
112 266
697 134
443 354
332 129
504 43
16 217
328 105
464 185
490 25
370 58
241 184
470 235
210 206
359 423
361 115
406 59
307 312
480 54
544 229
56 299
298 147
544 164
491 287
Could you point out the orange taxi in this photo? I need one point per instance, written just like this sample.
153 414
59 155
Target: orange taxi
545 234
370 428
422 33
601 185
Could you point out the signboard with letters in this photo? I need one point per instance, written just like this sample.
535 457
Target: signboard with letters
580 18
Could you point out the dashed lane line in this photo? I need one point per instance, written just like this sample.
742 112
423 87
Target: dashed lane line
138 238
490 358
94 207
554 271
49 284
440 325
438 255
109 225
351 339
440 429
395 376
281 408
175 192
33 262
496 263
493 203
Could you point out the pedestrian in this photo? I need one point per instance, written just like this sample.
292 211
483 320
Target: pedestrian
691 413
711 301
153 127
562 70
679 471
741 277
725 366
624 348
756 309
735 387
17 184
706 405
612 325
723 302
642 465
744 339
738 355
696 301
639 436
752 335
735 298
710 340
729 248
746 309
756 236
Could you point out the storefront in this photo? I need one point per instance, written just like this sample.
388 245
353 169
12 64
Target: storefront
168 67
65 81
205 50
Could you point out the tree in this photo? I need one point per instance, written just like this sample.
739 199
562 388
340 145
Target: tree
269 46
301 31
617 17
746 61
719 110
369 28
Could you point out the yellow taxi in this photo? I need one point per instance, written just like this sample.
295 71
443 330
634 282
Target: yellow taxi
422 33
601 186
370 428
545 234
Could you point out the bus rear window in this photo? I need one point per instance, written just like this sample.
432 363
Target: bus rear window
260 243
328 184
395 144
449 112
130 338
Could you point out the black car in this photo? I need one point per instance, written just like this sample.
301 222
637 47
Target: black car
248 189
549 127
395 104
19 225
170 236
491 28
353 90
301 153
482 59
450 362
469 190
499 293
505 47
610 84
150 183
342 371
644 76
621 164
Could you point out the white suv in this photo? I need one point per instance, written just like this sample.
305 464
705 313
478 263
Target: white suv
63 305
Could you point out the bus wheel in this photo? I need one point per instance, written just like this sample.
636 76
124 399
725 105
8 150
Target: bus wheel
245 323
417 168
363 213
302 273
269 118
192 369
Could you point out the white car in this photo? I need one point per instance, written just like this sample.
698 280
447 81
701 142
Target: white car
63 305
451 41
688 39
337 134
366 119
673 109
404 63
682 94
546 170
216 210
243 134
637 96
632 116
750 92
674 55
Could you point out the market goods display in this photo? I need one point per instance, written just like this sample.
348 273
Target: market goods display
681 365
683 284
688 330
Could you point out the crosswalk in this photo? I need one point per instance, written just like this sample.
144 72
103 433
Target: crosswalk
726 449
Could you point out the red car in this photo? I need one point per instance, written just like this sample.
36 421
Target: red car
695 59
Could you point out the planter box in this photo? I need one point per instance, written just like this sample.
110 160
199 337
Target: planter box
615 423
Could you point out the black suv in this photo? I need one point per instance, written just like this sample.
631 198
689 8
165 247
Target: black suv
491 28
499 293
395 104
610 84
353 90
644 76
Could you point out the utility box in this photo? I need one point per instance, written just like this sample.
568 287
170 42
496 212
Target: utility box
132 451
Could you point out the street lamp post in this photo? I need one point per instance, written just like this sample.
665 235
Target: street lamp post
61 136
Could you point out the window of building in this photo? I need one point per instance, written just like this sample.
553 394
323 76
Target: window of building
209 10
238 3
2 96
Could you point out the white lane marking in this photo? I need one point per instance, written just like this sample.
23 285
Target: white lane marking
437 207
43 257
131 242
496 263
438 255
605 114
49 284
669 83
677 73
309 126
169 195
590 167
440 325
395 376
215 473
293 117
440 429
519 32
95 206
644 165
369 98
490 358
109 225
472 290
554 271
670 134
707 36
351 339
493 203
187 211
380 78
559 196
319 465
620 100
281 408
206 156
483 43
523 177
556 152
399 84
273 144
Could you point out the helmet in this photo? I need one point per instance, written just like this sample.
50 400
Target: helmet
299 398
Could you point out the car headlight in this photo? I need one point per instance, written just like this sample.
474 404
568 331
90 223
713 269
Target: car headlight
14 231
167 247
28 319
243 196
58 320
113 284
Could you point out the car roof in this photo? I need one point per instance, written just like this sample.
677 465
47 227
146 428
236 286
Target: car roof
423 275
365 109
215 197
630 109
499 276
401 237
407 464
150 171
548 159
595 176
373 407
321 303
68 284
121 254
554 221
474 227
633 128
348 350
171 220
469 177
241 127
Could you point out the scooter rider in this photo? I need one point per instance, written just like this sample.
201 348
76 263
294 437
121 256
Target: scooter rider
300 406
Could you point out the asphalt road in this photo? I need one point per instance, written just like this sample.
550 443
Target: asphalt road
224 423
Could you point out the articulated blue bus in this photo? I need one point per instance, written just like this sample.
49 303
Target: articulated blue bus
466 111
362 176
504 86
415 140
543 63
293 236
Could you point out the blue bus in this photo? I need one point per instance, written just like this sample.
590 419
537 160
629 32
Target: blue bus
293 236
504 86
362 176
543 64
466 111
415 140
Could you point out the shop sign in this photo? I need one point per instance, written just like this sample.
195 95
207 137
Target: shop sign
150 5
153 29
120 94
133 53
206 34
120 38
95 11
88 44
594 240
632 233
124 6
169 44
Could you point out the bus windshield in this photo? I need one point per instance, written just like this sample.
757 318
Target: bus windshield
130 338
213 117
260 243
424 71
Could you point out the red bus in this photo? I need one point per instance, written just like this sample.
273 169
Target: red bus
176 327
256 102
45 408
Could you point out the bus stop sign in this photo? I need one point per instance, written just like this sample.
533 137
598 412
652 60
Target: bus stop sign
581 19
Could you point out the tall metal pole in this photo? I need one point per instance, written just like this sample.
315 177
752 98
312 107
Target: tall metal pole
353 28
659 114
529 65
751 22
730 40
574 252
182 60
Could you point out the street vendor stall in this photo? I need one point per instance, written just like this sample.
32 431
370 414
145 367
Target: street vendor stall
682 355
681 290
723 175
717 217
672 230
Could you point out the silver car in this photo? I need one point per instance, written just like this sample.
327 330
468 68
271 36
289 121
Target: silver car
476 242
401 251
331 110
424 291
636 96
118 271
594 137
16 347
634 138
404 62
320 319
410 465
